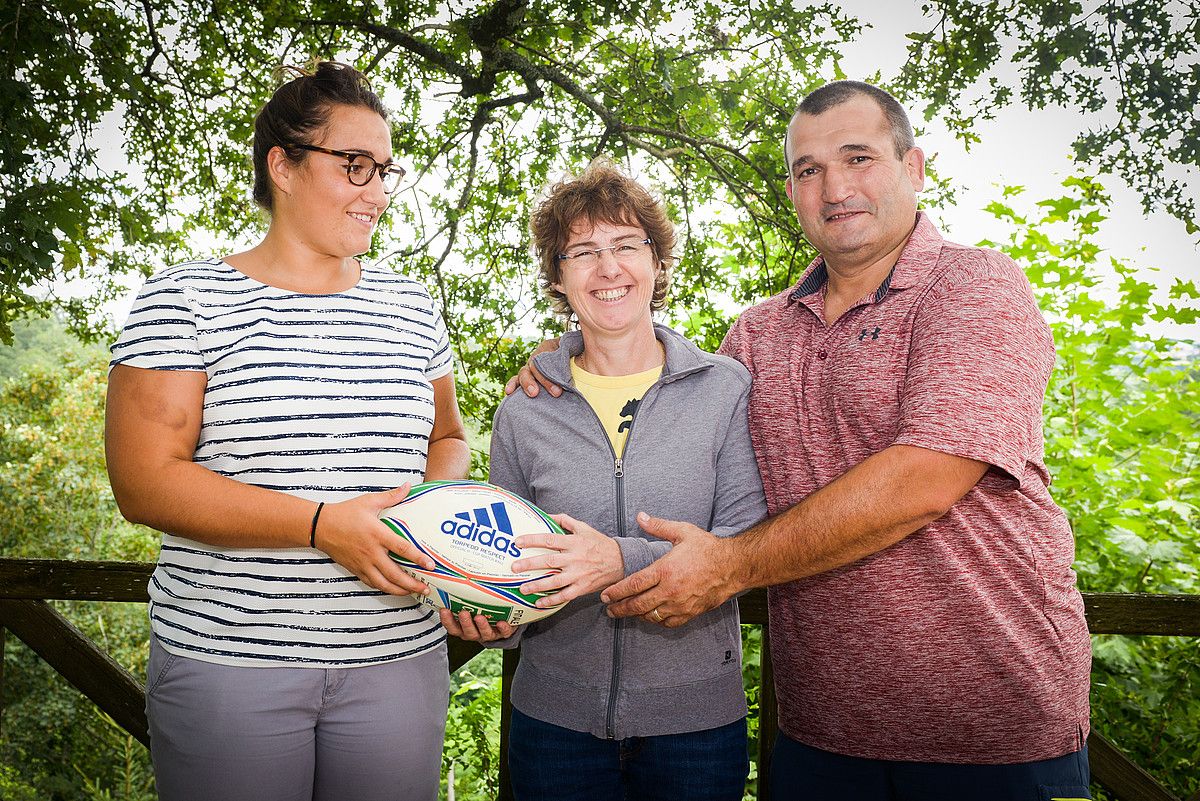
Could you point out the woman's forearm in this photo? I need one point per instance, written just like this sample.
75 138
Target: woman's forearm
449 458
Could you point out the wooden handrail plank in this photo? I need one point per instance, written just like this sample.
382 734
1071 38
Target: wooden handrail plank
1142 613
3 639
52 579
63 580
753 607
1120 775
1107 612
79 661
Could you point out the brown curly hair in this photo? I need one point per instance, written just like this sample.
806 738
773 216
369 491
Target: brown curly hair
601 193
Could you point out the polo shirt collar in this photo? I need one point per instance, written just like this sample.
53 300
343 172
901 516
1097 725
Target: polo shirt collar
918 257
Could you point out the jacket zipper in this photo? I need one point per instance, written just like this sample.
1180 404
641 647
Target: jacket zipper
610 727
610 723
618 624
614 683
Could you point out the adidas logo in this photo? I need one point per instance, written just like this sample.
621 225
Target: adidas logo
487 525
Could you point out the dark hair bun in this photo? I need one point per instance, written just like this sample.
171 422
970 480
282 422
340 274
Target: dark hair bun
300 108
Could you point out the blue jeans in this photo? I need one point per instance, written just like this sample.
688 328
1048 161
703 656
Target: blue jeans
550 763
800 772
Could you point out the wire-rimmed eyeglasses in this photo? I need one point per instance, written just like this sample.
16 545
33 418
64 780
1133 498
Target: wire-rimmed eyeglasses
625 253
361 168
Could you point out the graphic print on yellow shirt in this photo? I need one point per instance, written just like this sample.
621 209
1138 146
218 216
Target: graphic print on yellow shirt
614 398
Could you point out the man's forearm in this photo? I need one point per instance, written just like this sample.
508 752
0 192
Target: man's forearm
874 505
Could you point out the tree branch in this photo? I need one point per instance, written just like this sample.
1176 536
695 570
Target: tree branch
148 69
401 39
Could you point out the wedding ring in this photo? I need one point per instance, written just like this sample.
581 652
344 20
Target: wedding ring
658 618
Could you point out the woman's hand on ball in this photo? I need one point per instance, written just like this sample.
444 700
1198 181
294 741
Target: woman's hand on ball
475 629
354 537
587 561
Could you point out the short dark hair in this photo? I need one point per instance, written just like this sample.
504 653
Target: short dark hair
601 193
836 93
298 111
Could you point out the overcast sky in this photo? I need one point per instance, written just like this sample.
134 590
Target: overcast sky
1020 147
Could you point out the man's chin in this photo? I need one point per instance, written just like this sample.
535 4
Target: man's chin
844 246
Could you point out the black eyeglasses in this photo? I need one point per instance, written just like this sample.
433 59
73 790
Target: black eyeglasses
361 168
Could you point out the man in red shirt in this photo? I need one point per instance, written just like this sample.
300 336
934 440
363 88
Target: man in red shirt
928 638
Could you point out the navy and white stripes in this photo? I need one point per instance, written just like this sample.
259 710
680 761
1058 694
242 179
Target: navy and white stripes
320 396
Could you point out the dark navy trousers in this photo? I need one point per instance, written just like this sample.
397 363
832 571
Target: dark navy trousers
802 773
551 763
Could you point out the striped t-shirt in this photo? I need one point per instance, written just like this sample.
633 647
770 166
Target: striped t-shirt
320 396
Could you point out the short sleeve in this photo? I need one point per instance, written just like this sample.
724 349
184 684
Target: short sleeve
978 366
160 333
441 361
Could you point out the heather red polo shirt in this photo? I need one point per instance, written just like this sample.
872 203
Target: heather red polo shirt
965 642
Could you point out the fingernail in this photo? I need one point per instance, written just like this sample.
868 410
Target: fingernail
642 517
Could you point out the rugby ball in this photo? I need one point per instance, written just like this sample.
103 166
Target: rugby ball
467 528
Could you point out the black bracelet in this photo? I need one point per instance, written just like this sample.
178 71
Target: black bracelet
312 535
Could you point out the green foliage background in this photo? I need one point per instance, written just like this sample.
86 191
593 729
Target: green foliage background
1119 423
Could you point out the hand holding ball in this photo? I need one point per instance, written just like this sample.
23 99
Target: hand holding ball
468 528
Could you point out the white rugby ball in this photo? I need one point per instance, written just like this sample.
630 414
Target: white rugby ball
467 528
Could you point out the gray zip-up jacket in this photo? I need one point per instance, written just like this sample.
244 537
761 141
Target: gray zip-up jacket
687 457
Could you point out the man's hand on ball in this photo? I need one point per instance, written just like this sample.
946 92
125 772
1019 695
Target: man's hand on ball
586 561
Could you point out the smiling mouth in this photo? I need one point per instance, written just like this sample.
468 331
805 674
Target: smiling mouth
611 294
842 215
366 218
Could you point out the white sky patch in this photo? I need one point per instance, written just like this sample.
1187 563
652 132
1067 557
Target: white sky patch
1029 148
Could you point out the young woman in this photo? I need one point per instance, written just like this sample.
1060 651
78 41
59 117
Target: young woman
263 407
607 709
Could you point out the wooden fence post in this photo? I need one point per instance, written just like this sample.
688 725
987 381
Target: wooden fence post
509 669
77 659
3 632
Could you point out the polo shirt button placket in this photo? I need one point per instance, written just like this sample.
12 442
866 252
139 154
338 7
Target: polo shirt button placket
823 346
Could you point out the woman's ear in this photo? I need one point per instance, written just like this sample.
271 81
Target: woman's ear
280 169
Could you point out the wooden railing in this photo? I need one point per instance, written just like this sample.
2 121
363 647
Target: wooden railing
26 585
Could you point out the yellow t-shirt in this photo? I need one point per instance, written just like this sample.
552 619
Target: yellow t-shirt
615 399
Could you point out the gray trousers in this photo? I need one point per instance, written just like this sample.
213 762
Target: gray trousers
225 733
